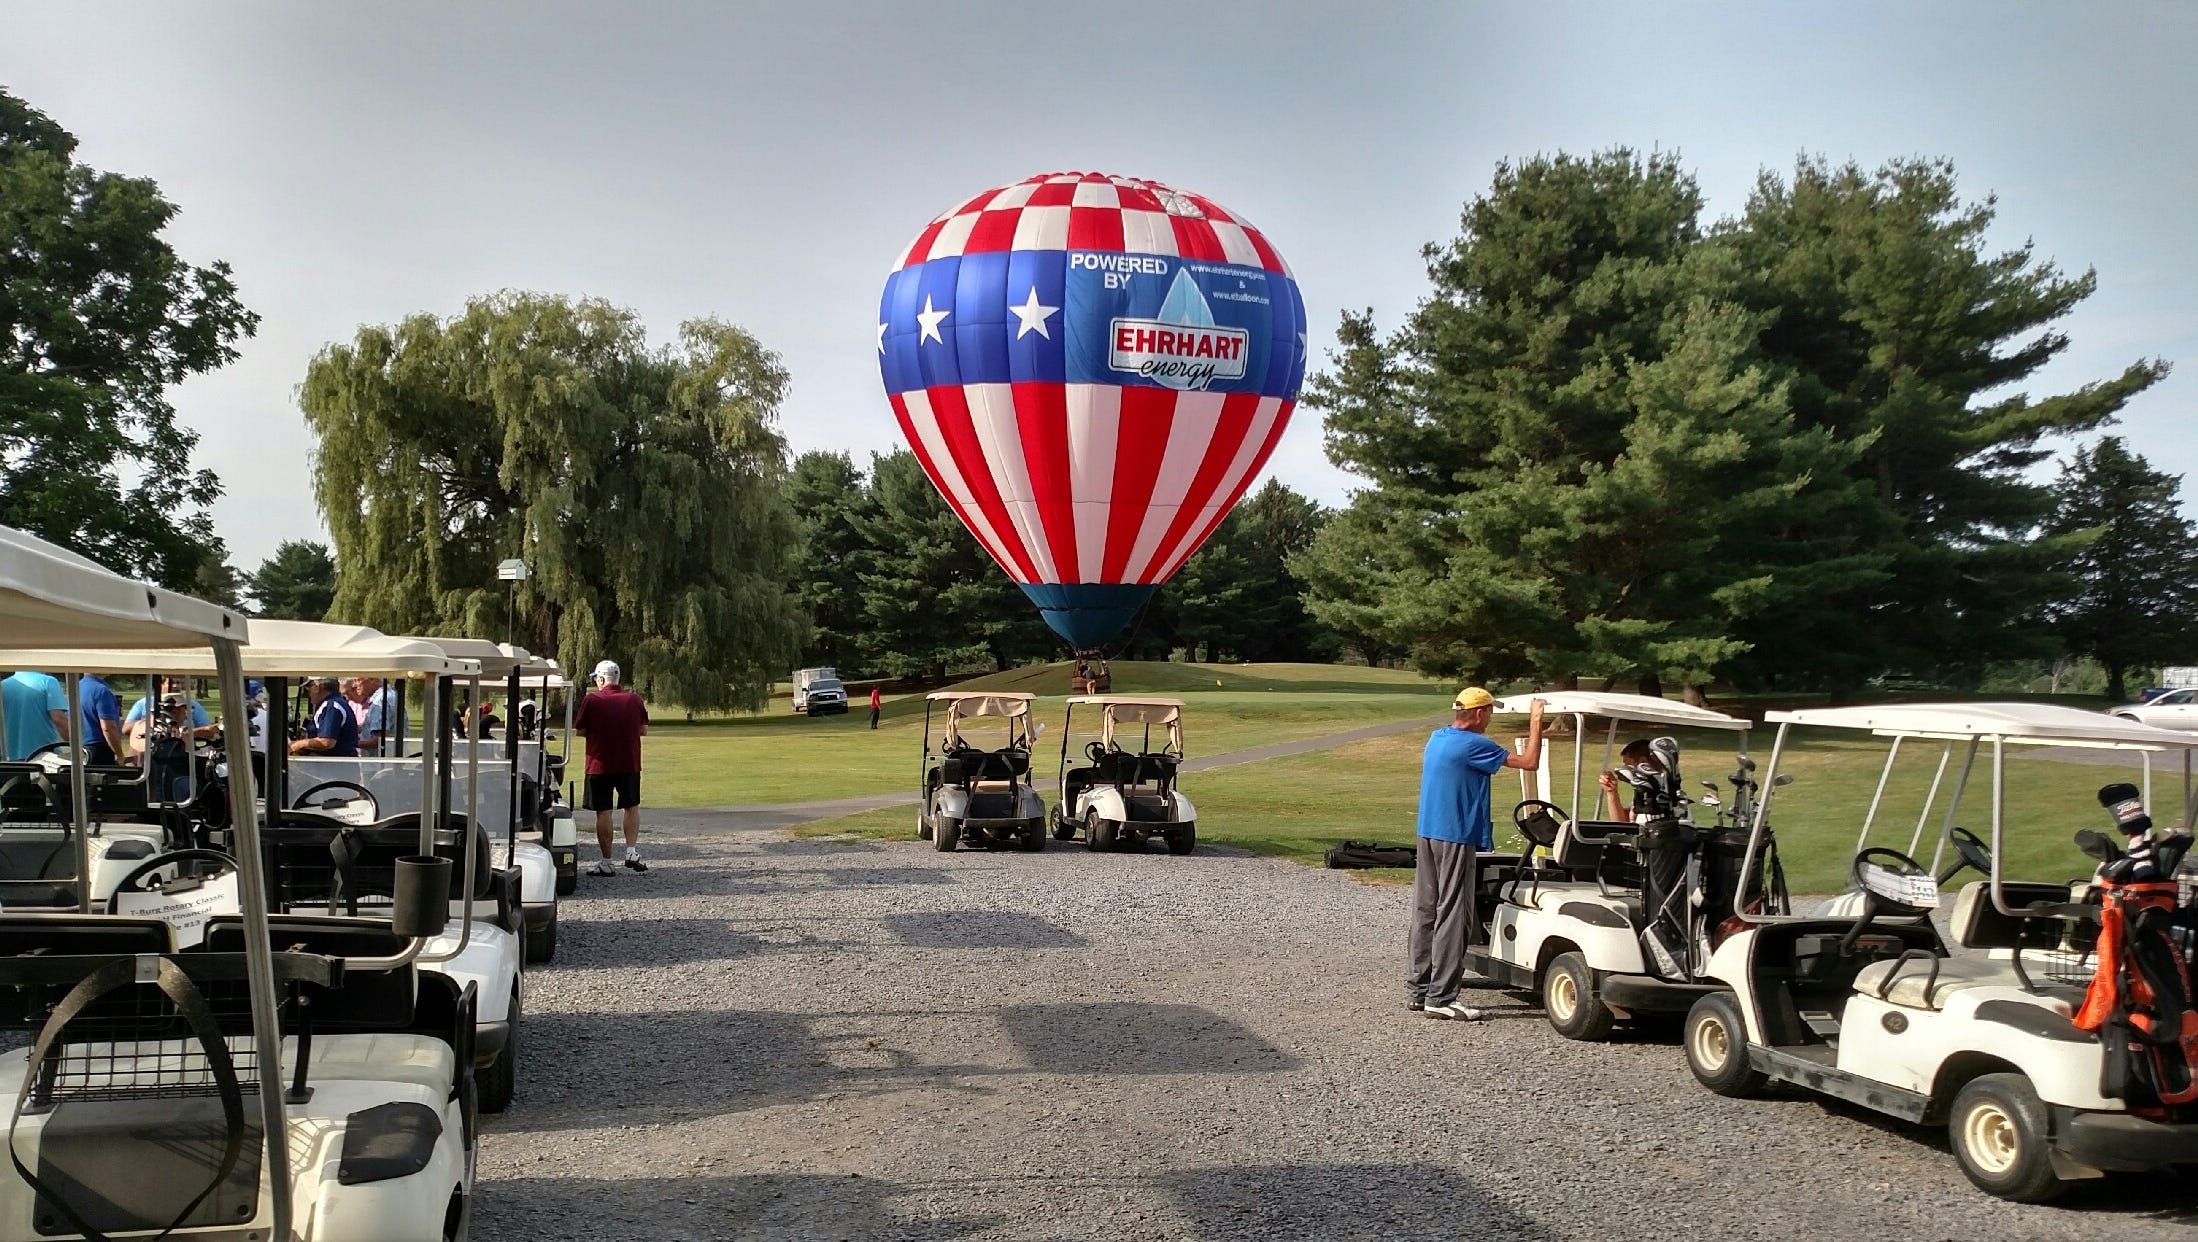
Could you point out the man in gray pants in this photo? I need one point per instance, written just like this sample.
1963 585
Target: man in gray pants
1453 825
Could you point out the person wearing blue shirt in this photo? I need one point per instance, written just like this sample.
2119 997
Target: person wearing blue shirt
333 731
1453 825
102 720
36 710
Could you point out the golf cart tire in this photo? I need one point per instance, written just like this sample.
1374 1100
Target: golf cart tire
568 880
541 942
1064 829
1033 838
499 1083
1099 834
1182 839
923 826
1716 1039
945 831
1575 1008
1997 1128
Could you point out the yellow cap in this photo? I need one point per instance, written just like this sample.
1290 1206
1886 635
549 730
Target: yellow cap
1472 697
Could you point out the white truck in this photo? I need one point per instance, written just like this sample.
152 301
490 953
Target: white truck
818 692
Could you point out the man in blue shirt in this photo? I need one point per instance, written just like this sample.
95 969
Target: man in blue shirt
102 720
37 713
1454 824
333 731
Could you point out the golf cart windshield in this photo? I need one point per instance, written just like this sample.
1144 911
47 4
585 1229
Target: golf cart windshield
1971 728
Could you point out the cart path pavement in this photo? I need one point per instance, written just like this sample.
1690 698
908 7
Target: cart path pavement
790 1040
776 815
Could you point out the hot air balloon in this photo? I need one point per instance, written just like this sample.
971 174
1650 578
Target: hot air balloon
1092 369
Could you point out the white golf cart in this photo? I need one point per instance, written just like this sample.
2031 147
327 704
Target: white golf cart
327 800
216 1074
1608 919
1864 1002
545 808
972 792
1120 795
517 843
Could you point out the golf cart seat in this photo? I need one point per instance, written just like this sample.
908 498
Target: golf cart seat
1978 924
1588 848
1919 979
39 871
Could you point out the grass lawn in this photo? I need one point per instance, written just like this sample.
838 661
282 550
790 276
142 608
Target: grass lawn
1298 806
777 756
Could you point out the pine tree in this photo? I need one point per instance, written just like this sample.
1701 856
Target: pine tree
297 583
642 485
2136 566
826 493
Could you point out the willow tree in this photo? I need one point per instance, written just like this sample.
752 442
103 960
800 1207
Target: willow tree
642 486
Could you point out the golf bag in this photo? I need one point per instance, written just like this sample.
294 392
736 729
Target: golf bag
1666 845
2140 998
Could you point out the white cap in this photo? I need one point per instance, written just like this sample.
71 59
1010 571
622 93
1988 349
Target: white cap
606 670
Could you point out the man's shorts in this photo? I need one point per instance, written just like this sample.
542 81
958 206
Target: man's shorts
600 789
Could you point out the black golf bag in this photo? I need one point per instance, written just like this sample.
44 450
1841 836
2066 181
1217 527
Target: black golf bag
1665 843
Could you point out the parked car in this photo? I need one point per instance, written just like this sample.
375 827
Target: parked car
818 692
2177 709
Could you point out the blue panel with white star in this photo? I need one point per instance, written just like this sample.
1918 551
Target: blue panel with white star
1034 316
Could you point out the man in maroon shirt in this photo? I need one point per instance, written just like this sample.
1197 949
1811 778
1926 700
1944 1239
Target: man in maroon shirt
613 720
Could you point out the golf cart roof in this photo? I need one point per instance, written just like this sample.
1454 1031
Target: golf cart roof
496 659
2041 724
1634 708
984 702
279 649
535 666
1133 709
51 597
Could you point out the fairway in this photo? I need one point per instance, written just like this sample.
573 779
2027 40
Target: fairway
1298 806
776 756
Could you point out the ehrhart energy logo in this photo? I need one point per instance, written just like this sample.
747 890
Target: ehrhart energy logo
1181 348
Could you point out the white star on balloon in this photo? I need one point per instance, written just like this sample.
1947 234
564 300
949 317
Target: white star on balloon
881 338
1032 316
929 319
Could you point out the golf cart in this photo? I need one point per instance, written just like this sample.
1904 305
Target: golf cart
193 1065
542 800
2000 1041
1126 796
1609 919
326 804
972 793
517 841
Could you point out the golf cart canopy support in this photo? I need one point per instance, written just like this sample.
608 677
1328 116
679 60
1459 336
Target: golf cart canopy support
1979 724
1123 709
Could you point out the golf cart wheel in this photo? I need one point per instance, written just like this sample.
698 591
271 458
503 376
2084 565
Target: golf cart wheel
1064 828
541 942
1717 1047
500 1081
1997 1129
568 880
923 826
945 831
1570 998
1098 833
1182 839
1033 838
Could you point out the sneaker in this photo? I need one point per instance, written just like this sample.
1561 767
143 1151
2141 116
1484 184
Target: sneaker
1455 1012
633 860
603 866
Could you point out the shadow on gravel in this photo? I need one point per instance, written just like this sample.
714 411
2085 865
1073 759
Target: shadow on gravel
806 849
980 929
1371 1201
666 941
678 1209
1135 1037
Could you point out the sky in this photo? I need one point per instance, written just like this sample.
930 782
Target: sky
357 163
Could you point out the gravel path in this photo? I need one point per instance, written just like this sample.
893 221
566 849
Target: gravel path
773 1039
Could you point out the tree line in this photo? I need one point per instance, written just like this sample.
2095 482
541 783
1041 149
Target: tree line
1789 449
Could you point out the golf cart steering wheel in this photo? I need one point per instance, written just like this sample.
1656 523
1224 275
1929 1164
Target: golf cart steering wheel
339 807
213 862
1972 851
1878 857
1095 751
1539 822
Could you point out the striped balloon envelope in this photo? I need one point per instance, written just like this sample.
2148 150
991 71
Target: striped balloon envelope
1092 369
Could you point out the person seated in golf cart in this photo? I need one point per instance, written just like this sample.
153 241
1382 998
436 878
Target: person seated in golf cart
1655 783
